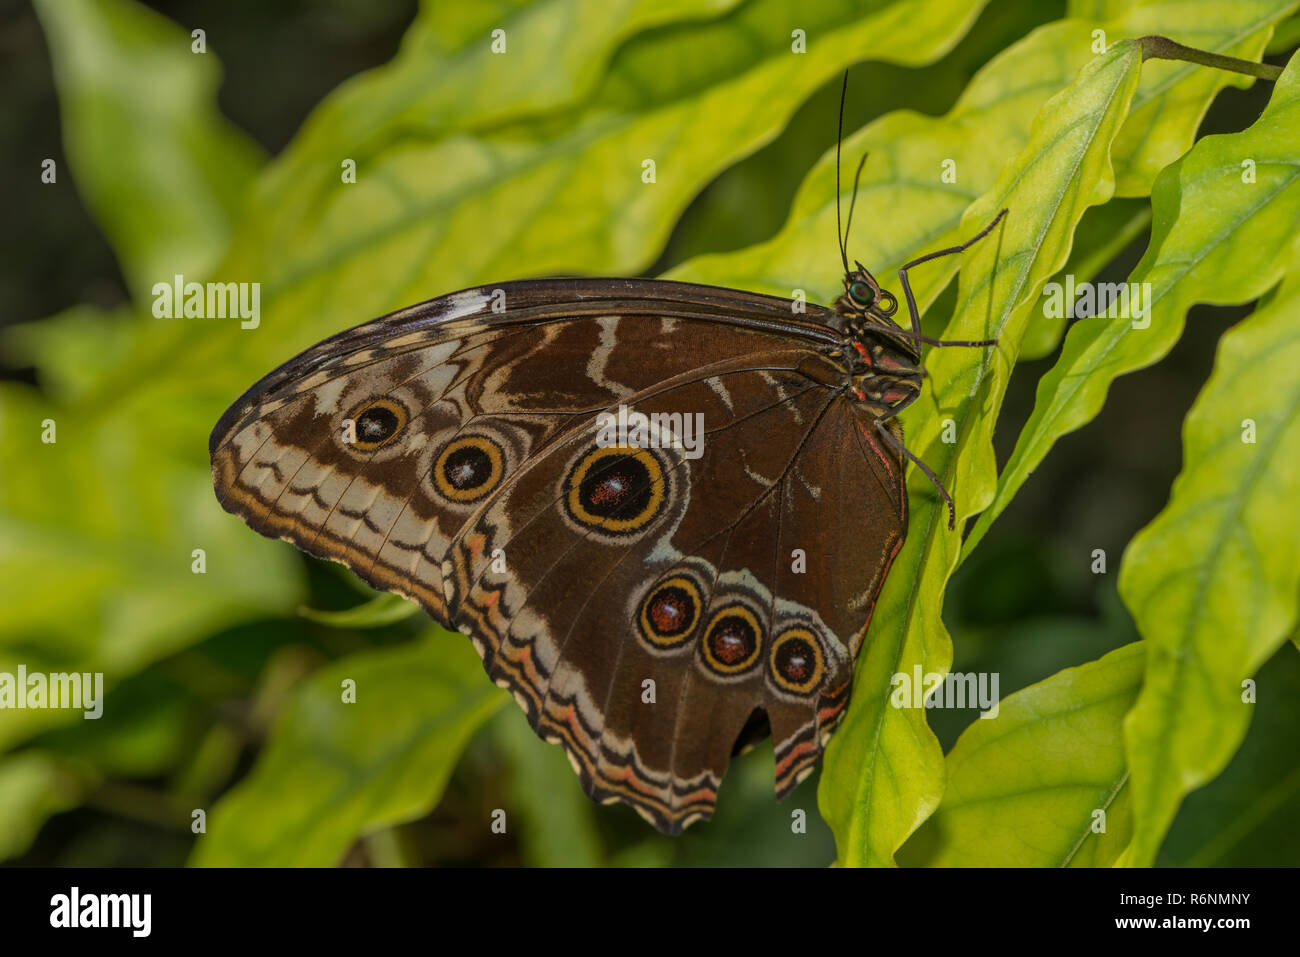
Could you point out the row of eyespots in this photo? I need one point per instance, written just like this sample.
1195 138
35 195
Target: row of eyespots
467 469
613 491
731 643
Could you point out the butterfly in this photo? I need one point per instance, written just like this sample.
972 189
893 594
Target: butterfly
654 605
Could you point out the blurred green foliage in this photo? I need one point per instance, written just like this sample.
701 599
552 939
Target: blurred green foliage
225 686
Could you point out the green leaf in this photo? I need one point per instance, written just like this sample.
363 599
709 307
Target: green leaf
1024 787
33 786
1098 9
1171 101
1286 38
161 170
1215 239
555 822
71 349
1162 125
750 201
986 128
333 771
1103 233
379 611
884 770
98 529
98 535
448 78
147 726
1250 814
551 194
1213 581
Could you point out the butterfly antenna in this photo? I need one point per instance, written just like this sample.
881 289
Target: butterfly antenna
839 139
853 201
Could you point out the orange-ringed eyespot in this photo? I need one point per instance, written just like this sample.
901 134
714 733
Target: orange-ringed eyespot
732 642
797 662
468 468
669 613
616 490
377 422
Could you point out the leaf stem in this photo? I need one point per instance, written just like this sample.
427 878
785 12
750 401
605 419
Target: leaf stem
1156 47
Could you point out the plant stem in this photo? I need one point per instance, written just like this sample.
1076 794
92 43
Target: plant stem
1163 48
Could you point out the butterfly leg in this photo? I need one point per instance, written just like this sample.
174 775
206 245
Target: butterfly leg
902 449
911 298
898 445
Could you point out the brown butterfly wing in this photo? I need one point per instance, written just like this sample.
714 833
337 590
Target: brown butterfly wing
452 492
570 620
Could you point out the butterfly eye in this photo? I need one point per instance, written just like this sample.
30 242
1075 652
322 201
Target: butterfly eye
862 294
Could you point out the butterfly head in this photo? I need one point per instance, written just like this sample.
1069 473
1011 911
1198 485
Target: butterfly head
863 295
868 313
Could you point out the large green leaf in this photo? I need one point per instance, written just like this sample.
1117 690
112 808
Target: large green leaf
1167 110
553 820
455 73
750 201
1216 238
334 770
1024 787
97 547
155 162
33 786
1287 37
1250 814
1161 126
884 770
96 534
1213 581
904 206
1103 233
435 210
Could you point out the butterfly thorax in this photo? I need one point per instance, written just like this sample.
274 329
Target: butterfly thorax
883 365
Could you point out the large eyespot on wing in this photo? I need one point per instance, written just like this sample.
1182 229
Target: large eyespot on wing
617 494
